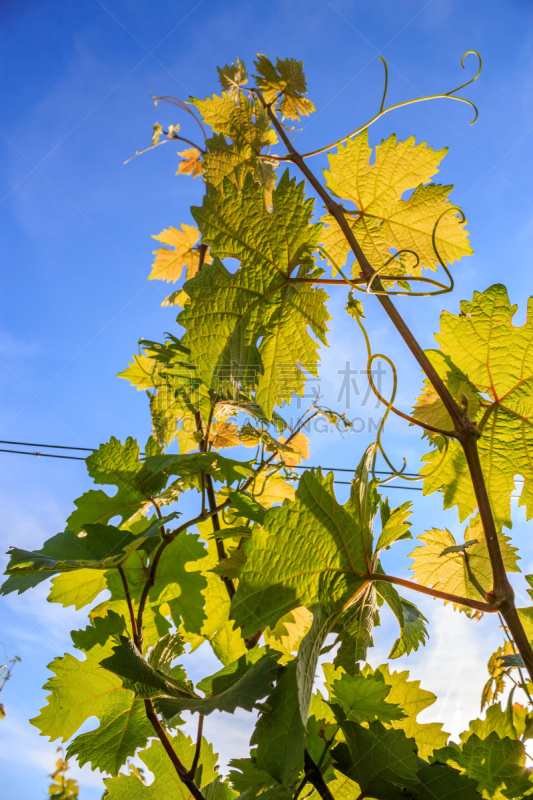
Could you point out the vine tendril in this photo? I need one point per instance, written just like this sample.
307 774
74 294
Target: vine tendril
445 95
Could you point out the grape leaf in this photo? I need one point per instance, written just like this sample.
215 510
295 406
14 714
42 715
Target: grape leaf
496 719
82 689
408 695
362 699
496 682
308 552
498 765
413 631
355 631
239 685
191 465
377 758
97 547
280 733
254 783
139 675
166 783
246 125
118 465
497 359
191 165
288 632
430 409
448 572
285 82
396 526
442 783
229 313
168 264
232 77
383 220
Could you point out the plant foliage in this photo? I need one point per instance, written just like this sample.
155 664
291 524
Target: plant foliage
266 566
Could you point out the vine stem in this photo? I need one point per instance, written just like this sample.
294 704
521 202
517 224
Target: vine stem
180 768
315 777
151 714
134 630
488 608
196 759
466 432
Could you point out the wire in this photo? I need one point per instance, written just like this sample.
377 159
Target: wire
303 466
44 455
55 446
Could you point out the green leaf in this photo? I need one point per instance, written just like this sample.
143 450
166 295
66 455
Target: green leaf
166 783
496 719
280 733
496 668
96 547
430 409
176 592
239 685
140 676
377 758
252 782
229 313
442 783
82 689
165 651
191 465
99 633
308 653
355 631
396 527
308 552
408 695
497 359
286 79
247 507
362 699
437 566
232 77
382 220
498 765
413 631
246 124
114 464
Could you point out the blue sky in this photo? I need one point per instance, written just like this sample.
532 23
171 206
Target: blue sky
76 249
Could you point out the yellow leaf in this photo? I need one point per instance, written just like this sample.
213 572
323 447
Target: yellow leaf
383 220
299 443
140 373
288 632
496 683
224 434
191 164
168 264
447 572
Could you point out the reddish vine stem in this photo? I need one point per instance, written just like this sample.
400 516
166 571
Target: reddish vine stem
165 741
488 608
465 430
196 759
